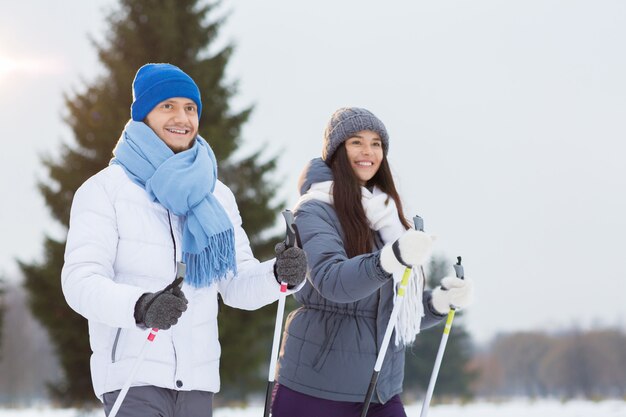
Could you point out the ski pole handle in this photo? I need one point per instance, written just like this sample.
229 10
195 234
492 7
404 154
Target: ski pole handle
458 268
418 222
181 269
292 237
460 273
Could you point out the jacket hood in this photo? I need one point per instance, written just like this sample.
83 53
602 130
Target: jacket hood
315 171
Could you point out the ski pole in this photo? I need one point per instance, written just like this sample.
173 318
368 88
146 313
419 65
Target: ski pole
458 269
393 319
291 239
180 276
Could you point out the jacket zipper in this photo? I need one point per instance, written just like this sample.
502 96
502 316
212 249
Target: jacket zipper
169 219
117 338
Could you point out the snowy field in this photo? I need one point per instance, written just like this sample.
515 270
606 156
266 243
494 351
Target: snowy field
520 408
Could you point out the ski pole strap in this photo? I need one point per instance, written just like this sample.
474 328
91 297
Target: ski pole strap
418 222
396 252
181 268
177 281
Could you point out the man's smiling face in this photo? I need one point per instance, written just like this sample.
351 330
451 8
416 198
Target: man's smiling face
175 121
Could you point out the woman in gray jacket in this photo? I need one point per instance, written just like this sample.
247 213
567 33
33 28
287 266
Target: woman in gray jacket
358 243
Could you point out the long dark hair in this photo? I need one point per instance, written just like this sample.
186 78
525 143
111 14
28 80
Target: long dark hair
358 237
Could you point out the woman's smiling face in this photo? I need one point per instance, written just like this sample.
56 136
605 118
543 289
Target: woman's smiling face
365 154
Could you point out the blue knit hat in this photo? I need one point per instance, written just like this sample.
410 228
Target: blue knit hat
347 121
154 83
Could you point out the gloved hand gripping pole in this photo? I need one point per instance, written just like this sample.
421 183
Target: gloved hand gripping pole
458 269
180 276
393 319
291 239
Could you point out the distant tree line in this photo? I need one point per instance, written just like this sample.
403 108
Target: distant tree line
588 364
28 364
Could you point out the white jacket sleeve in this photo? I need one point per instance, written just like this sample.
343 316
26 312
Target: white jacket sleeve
88 279
254 285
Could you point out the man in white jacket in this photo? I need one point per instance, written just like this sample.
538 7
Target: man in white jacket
158 205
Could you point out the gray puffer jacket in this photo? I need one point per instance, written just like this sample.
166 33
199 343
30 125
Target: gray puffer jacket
331 342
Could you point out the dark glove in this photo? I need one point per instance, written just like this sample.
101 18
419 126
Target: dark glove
290 265
162 309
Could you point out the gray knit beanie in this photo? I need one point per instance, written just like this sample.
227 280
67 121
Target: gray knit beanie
347 121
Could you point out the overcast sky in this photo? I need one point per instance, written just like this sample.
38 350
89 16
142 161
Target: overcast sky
506 121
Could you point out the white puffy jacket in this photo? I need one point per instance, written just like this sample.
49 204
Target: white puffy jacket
121 245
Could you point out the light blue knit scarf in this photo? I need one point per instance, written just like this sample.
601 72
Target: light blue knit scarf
183 183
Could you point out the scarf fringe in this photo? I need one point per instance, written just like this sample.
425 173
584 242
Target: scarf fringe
411 312
214 262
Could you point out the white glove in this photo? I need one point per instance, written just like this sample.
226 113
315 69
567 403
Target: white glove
453 292
411 249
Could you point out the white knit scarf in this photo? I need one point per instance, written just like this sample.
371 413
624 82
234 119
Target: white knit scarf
382 216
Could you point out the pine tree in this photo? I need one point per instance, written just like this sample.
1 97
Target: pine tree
141 31
454 377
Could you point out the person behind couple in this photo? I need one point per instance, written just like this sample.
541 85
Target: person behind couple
158 205
358 244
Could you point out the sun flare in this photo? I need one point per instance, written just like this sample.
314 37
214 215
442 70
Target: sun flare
10 65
